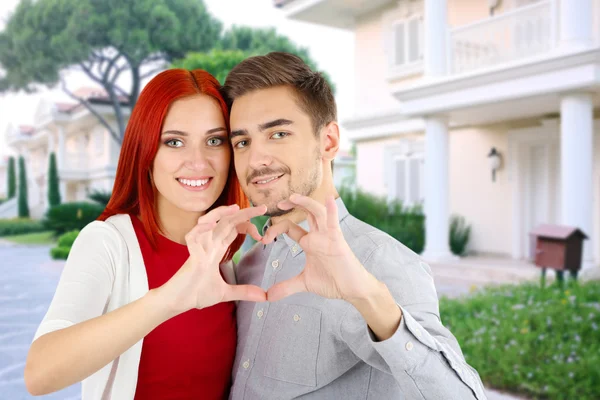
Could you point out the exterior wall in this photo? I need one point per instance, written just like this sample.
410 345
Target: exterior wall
3 180
370 156
486 205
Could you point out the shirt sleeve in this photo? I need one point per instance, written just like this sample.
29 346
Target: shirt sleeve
422 355
86 281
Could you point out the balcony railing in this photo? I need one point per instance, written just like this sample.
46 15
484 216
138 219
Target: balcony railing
524 32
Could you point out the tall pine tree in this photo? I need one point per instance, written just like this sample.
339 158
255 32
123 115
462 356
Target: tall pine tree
12 178
53 188
22 202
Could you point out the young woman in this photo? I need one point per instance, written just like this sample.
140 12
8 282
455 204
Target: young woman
143 309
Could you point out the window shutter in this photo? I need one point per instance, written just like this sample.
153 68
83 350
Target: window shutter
401 180
399 44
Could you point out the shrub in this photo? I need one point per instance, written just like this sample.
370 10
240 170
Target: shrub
405 224
23 202
11 178
59 253
53 183
18 226
65 242
100 197
71 216
544 343
459 235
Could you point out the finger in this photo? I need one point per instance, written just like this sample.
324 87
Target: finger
245 293
313 207
198 229
293 230
231 237
218 213
288 205
287 288
248 228
230 222
333 221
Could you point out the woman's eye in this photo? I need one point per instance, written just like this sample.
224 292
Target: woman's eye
215 141
279 135
174 143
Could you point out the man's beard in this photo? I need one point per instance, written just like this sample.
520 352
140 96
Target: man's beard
271 197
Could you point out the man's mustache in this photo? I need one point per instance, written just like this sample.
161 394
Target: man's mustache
257 173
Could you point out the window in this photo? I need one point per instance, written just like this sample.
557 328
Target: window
404 171
409 182
407 42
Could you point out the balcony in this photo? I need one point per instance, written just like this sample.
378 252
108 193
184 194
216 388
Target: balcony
515 35
334 13
76 166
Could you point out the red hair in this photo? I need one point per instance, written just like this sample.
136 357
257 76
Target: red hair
133 192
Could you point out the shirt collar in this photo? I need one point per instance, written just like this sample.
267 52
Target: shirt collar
295 247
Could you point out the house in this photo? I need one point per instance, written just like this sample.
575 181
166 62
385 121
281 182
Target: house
448 89
86 153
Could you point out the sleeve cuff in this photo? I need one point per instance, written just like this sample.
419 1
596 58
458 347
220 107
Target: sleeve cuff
408 346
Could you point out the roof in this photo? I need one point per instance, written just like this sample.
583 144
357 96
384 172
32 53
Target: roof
556 231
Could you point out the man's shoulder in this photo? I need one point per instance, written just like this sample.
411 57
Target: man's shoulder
366 241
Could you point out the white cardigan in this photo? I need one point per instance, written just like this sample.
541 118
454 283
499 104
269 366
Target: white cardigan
104 271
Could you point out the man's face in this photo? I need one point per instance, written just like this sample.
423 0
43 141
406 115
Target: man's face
276 152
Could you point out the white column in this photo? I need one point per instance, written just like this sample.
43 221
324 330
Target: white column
576 29
437 247
435 32
60 163
576 135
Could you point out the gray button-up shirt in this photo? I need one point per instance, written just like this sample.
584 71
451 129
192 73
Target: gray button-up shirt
309 347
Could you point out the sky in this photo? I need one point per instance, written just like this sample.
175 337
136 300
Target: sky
334 55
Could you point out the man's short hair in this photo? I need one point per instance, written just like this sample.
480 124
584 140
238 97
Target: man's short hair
313 94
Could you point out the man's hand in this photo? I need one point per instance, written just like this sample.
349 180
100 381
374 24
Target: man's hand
332 270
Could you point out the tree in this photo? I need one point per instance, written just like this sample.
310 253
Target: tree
12 178
53 184
241 42
23 205
106 39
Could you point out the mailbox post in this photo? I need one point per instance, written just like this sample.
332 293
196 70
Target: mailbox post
558 247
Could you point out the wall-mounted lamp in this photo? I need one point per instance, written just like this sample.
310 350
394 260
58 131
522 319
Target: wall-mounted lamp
495 160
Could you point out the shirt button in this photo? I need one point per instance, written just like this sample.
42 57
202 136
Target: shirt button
295 248
260 313
246 364
275 264
409 346
296 318
417 333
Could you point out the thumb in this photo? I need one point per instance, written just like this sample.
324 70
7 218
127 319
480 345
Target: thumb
245 293
287 288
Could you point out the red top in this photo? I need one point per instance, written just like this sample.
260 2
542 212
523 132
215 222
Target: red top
191 355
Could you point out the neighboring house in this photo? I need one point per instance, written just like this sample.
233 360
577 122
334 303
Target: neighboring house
3 177
440 83
344 169
86 153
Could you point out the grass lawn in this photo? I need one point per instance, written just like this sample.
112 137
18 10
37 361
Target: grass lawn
544 343
41 238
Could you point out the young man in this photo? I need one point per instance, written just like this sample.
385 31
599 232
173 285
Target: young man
352 313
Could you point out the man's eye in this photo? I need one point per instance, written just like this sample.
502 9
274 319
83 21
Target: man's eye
215 141
241 143
174 143
279 135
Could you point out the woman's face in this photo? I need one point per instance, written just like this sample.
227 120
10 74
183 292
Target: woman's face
192 163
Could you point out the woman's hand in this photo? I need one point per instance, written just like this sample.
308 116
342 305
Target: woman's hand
198 283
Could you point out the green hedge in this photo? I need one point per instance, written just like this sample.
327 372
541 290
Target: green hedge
544 343
65 242
18 226
71 216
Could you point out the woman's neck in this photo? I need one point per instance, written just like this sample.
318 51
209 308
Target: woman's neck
176 223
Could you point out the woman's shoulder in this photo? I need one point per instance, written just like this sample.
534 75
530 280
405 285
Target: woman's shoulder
108 232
